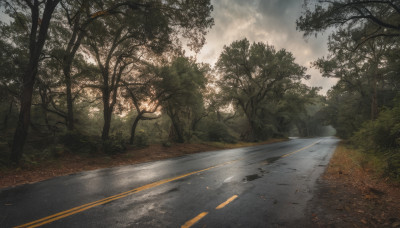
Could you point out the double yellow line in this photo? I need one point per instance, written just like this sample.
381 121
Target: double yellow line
87 206
306 147
203 214
194 220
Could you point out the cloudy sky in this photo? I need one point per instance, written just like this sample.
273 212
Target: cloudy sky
268 21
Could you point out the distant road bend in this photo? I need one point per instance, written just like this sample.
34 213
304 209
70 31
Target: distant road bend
259 186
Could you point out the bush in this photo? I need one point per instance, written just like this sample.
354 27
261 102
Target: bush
393 166
115 144
79 143
218 132
380 134
382 138
141 139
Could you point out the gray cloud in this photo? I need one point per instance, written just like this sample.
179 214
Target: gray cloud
268 21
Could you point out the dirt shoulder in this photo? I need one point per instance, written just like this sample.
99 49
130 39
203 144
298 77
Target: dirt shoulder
351 194
72 163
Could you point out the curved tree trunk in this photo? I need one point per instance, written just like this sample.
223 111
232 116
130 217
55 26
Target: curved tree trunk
133 128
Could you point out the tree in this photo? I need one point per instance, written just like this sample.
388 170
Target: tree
39 25
141 89
378 18
12 60
255 79
79 15
181 93
362 49
152 29
363 70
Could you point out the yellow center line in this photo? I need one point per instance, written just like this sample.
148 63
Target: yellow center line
285 155
194 220
87 206
222 205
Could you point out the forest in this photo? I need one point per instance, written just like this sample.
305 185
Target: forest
94 76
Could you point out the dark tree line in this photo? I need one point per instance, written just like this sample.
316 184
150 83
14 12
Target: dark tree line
364 55
123 28
87 74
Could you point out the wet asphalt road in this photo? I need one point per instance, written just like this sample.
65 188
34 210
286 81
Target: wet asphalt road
271 183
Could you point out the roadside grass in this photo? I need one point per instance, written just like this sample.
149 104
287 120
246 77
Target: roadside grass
347 160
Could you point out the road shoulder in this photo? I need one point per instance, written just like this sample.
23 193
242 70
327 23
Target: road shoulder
351 195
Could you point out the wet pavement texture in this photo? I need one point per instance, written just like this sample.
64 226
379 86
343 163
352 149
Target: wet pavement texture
272 191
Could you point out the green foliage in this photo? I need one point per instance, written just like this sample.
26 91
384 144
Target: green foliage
381 137
141 139
374 18
364 57
257 79
114 144
167 144
218 132
180 92
382 133
76 142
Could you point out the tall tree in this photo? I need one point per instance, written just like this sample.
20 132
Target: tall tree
254 78
118 42
140 89
180 91
363 69
40 13
78 15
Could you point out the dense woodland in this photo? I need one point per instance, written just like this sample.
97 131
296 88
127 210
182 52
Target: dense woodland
94 76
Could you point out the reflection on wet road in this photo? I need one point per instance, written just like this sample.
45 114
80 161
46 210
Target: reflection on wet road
267 185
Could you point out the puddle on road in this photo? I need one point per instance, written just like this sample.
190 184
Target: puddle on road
255 176
262 171
251 177
271 160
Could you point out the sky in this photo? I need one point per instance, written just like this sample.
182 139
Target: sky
268 21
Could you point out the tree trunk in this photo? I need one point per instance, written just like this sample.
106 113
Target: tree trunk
70 111
133 129
374 100
71 50
36 43
107 122
177 133
24 119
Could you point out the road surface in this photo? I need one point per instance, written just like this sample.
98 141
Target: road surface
259 186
